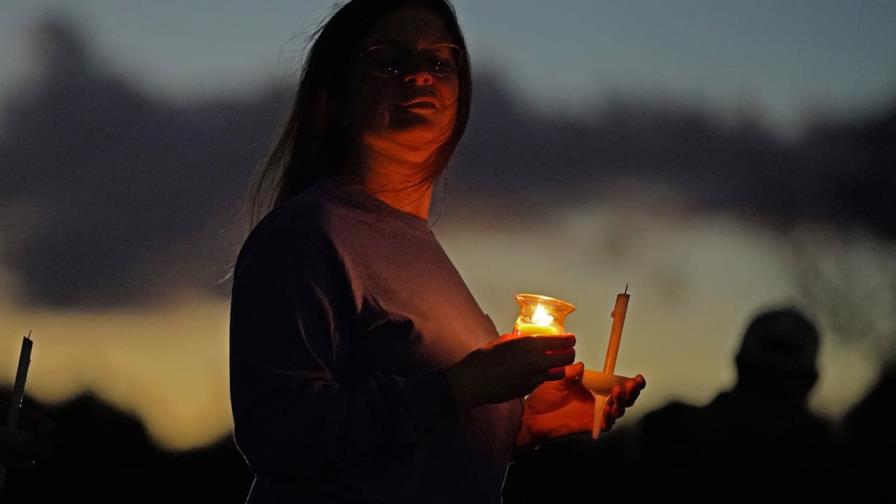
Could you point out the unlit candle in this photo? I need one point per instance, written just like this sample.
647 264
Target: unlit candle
616 331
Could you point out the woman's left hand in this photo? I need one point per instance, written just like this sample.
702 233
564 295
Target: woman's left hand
564 407
621 397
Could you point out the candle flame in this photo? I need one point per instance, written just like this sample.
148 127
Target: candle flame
541 316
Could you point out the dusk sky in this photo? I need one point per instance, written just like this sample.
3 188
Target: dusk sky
114 219
778 59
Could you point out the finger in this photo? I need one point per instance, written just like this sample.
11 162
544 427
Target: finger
632 398
617 392
641 381
609 420
630 387
575 371
620 396
558 342
555 373
505 337
617 410
540 344
555 358
527 387
609 404
632 391
614 407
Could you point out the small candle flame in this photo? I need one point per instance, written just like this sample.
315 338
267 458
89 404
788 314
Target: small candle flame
541 316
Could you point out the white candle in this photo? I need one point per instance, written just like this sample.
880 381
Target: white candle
609 379
616 331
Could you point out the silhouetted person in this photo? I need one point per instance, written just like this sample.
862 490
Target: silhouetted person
869 428
103 455
757 442
362 368
28 441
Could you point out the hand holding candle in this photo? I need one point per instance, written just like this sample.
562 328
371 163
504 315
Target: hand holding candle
508 368
583 400
609 390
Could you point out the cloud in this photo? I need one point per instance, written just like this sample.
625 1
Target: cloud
111 195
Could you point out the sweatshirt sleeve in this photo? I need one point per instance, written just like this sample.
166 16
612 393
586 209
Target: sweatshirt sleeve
296 406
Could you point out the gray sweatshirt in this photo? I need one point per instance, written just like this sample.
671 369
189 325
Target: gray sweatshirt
344 313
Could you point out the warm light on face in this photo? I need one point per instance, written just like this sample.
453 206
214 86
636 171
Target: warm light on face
409 56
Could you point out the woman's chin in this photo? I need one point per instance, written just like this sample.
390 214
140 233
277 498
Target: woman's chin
421 135
403 119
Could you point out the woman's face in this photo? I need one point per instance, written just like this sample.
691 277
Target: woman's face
408 57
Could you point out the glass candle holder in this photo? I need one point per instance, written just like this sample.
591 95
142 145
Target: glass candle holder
541 315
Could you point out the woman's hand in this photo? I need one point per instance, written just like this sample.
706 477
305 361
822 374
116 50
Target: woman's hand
557 409
509 367
623 396
566 407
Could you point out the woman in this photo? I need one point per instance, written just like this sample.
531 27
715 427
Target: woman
362 369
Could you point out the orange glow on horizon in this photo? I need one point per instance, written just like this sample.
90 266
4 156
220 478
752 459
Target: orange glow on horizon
168 363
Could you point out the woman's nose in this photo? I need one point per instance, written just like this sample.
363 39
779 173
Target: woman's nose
418 74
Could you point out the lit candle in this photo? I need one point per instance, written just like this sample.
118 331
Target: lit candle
541 315
541 322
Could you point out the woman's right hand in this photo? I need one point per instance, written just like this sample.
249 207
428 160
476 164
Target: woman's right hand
509 367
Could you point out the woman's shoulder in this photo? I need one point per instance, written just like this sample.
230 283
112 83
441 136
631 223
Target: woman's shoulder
295 225
319 207
299 213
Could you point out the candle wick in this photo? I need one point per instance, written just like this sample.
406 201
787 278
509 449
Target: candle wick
626 289
28 336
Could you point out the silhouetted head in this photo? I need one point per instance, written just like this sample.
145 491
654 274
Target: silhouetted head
366 63
778 355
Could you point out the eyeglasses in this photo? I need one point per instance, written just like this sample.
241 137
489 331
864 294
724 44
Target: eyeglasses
390 60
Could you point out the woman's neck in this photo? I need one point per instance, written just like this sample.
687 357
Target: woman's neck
394 181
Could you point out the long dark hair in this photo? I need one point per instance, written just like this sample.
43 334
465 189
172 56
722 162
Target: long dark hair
315 141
